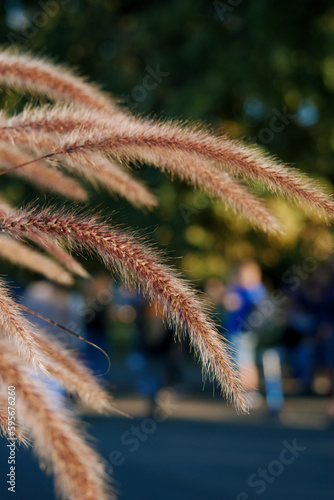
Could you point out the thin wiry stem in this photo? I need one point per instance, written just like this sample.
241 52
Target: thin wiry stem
76 378
40 174
21 255
79 471
65 329
137 264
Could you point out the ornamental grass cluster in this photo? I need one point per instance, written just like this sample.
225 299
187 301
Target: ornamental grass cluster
85 135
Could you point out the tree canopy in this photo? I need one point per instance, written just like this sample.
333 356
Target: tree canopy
257 70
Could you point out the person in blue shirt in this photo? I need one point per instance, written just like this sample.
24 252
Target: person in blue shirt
241 298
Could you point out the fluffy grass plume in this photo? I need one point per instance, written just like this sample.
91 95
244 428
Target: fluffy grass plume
138 264
168 145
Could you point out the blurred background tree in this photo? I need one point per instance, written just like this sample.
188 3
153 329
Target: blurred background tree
257 70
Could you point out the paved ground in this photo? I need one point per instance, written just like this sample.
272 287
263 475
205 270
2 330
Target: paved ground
203 451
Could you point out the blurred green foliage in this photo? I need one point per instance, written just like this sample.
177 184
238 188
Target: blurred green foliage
234 65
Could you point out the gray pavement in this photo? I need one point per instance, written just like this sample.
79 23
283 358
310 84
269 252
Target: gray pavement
198 449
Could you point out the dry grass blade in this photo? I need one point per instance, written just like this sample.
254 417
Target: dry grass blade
139 265
21 255
79 471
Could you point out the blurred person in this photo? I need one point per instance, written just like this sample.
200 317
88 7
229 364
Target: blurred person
323 303
309 330
241 298
216 290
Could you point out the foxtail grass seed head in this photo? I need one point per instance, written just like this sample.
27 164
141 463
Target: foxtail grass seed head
137 264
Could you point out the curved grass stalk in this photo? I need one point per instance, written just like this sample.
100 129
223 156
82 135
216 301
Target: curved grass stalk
194 171
137 264
168 145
